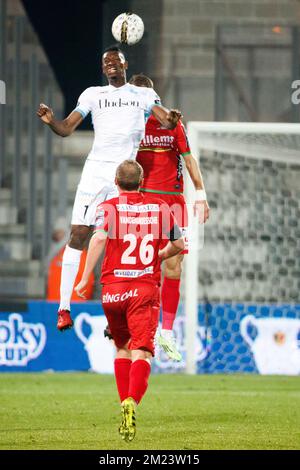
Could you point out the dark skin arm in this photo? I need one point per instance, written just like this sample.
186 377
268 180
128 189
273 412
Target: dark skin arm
67 126
167 118
63 128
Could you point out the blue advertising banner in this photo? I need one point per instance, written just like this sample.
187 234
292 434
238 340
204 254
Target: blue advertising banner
231 338
29 340
243 338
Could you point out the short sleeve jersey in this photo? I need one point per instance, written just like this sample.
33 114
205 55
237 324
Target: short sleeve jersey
135 224
160 156
118 119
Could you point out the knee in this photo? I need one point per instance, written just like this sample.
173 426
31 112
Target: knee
78 237
123 353
141 354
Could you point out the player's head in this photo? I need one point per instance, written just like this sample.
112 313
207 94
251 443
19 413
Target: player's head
114 63
141 80
129 175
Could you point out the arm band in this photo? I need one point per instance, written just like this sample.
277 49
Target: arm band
200 195
175 233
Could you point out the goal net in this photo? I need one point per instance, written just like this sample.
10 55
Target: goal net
245 260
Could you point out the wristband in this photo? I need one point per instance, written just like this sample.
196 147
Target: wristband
200 195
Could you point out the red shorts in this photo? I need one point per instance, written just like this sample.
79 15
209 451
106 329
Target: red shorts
132 312
177 205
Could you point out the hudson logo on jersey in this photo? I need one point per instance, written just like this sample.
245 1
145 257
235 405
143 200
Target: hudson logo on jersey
106 103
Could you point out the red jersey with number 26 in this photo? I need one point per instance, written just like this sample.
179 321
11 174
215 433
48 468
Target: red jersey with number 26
160 156
135 224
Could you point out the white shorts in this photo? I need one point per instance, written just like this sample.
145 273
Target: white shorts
93 189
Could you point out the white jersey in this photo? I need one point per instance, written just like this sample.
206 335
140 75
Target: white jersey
118 116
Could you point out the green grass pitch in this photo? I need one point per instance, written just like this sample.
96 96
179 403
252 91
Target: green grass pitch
81 411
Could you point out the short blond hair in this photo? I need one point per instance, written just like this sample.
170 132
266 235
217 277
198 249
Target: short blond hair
129 175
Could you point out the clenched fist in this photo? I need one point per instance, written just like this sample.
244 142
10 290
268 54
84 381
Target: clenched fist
173 117
45 113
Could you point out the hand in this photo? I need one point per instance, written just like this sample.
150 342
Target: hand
173 117
161 254
80 288
45 113
202 209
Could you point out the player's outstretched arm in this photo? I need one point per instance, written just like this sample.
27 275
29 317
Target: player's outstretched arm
96 247
167 118
63 128
201 206
171 249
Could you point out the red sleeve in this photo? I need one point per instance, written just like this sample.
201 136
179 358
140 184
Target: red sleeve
182 140
102 221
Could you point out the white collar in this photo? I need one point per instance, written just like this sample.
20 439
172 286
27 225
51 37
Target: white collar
115 88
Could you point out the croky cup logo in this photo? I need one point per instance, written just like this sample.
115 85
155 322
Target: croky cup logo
20 342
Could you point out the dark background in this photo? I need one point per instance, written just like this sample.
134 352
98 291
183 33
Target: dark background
73 34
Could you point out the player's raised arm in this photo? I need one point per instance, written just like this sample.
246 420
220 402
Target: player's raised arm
171 249
167 118
64 127
201 205
173 233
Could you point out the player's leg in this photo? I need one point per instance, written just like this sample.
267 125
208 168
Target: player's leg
170 294
139 374
142 319
138 383
117 324
71 258
83 218
122 366
70 265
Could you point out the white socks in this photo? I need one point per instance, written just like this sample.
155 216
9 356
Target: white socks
167 334
70 265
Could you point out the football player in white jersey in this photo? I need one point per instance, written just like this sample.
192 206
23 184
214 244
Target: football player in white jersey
118 114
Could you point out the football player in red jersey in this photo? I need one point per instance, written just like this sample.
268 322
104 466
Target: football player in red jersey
160 155
131 228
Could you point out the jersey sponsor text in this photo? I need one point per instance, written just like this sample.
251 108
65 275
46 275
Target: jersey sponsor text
139 220
109 298
132 273
138 208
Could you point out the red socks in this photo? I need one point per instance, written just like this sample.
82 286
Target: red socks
132 378
122 370
169 299
139 375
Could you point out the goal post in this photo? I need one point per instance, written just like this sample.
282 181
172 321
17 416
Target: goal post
191 265
265 144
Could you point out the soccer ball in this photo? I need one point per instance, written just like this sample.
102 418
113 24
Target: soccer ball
128 28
